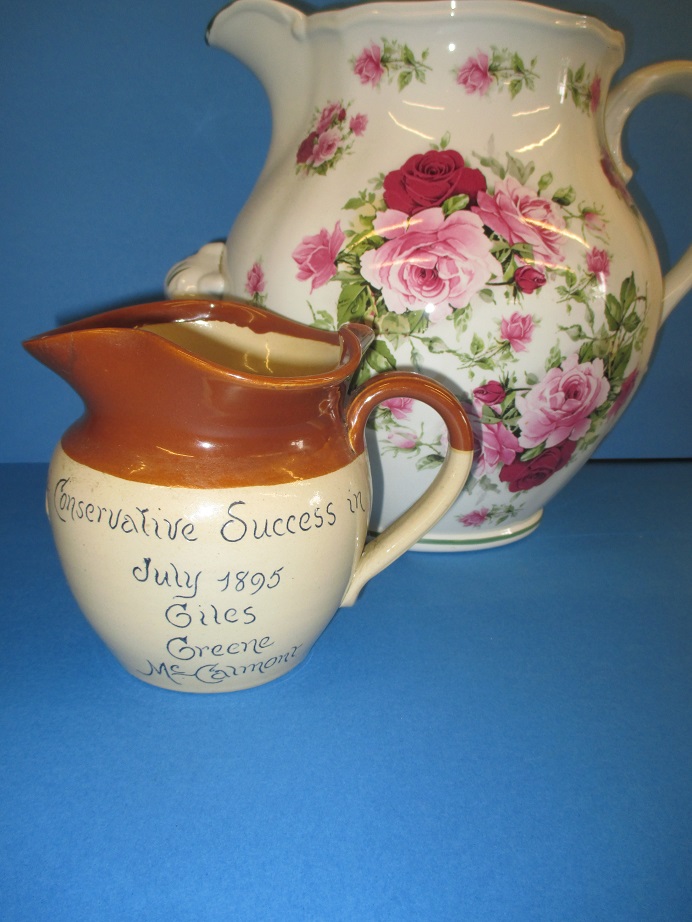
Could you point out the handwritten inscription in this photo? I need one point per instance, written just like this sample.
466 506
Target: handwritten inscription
239 525
137 521
205 605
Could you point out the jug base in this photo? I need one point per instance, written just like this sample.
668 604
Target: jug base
496 537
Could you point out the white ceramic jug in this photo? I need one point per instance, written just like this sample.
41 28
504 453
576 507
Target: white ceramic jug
450 173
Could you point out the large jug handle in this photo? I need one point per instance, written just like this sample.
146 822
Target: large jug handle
666 77
442 492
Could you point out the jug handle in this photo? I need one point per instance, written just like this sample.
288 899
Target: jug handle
440 494
665 77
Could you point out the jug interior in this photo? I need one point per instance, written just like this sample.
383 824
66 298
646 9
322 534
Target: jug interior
241 349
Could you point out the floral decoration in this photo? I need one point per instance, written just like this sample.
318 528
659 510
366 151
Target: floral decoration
582 88
256 285
390 60
331 136
502 68
446 236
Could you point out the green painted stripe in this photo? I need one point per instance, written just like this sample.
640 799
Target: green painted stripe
472 541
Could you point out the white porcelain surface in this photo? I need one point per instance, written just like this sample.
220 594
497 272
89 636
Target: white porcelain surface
451 173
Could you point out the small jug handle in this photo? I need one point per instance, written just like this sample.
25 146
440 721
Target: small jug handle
666 77
442 492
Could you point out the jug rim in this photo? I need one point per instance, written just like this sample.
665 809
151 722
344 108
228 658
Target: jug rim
335 17
352 338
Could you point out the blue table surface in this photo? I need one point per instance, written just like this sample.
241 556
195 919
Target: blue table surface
498 735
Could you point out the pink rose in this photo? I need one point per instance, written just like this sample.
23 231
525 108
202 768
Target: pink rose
475 75
428 180
429 262
490 394
594 221
558 407
595 93
255 282
529 278
332 113
326 146
598 263
523 475
517 330
500 446
368 66
358 124
475 518
406 441
399 407
316 256
520 216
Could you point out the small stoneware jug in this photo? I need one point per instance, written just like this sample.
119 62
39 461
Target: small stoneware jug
210 508
450 173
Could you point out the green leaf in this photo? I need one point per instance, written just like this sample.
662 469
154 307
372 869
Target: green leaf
379 357
564 196
493 165
545 180
477 344
523 250
405 77
489 416
531 453
395 327
354 203
575 332
613 312
515 88
429 461
554 357
323 320
586 353
486 294
436 345
628 293
519 170
620 362
601 347
454 203
352 303
631 321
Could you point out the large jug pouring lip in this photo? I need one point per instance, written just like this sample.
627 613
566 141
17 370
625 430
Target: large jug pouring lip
335 18
138 320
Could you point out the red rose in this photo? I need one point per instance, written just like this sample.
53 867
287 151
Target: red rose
491 393
529 278
306 147
427 180
522 475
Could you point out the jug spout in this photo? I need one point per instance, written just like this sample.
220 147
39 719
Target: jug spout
269 38
194 391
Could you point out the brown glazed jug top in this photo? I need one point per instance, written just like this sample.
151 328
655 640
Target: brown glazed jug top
198 393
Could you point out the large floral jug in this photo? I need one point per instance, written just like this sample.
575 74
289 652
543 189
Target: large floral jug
450 173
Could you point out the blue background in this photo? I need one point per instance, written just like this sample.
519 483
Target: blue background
127 143
503 736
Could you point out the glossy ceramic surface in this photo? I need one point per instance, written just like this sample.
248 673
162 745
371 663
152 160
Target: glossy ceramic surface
211 506
450 174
